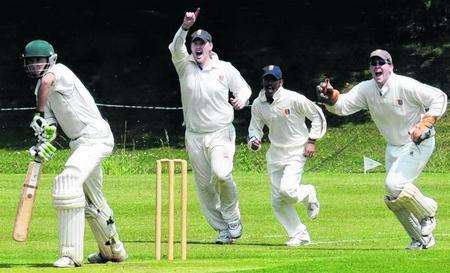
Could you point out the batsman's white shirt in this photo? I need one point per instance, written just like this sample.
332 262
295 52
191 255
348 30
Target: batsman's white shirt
204 92
71 106
285 118
396 107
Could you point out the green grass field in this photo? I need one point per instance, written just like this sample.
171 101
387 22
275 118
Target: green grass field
354 231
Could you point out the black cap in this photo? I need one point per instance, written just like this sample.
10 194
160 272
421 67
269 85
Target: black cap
201 34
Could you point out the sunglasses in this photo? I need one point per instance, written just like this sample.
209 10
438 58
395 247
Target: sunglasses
377 62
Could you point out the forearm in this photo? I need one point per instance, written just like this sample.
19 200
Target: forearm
438 106
42 98
344 106
178 47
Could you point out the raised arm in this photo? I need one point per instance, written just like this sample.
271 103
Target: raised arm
177 47
341 104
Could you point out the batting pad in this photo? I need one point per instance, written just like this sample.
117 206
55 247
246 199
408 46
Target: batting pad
406 218
71 234
103 226
68 192
69 201
414 201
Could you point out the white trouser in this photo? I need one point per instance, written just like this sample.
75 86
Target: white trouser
211 156
405 163
286 177
81 178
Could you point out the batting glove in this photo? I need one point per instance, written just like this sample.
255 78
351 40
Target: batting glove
44 150
43 130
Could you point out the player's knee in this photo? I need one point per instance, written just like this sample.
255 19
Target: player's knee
68 191
222 174
393 186
288 192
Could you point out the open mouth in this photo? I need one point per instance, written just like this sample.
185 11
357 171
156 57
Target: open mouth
378 74
199 54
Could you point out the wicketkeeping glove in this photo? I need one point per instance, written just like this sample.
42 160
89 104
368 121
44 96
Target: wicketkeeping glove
422 130
45 150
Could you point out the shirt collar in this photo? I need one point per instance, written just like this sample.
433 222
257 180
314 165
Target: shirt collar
387 85
276 96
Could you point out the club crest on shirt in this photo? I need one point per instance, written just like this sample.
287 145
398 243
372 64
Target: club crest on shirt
286 112
399 101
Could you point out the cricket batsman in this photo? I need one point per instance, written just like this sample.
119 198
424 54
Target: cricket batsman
405 112
63 101
291 143
205 83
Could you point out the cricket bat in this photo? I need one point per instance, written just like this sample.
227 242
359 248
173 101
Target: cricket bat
26 202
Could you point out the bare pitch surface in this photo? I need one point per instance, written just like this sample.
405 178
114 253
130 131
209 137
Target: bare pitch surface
354 231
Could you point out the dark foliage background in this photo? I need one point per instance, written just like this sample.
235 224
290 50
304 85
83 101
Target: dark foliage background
120 52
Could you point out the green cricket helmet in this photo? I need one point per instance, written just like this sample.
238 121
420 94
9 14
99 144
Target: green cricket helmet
38 49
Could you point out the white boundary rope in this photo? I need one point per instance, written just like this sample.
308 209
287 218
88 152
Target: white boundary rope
108 106
102 105
17 109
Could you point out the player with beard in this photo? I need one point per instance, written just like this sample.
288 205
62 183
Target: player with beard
291 144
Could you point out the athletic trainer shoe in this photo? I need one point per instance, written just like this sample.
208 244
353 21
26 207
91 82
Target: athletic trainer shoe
96 258
313 204
416 245
224 238
119 255
235 229
64 262
297 241
313 210
427 225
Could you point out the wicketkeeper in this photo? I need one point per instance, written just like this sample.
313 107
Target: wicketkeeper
405 111
291 143
62 100
205 82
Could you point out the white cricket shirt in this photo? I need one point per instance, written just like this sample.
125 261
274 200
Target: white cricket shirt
71 105
396 107
204 92
285 118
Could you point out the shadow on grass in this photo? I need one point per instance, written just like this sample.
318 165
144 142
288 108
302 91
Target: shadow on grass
7 265
309 247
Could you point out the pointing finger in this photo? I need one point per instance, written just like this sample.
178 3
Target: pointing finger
197 12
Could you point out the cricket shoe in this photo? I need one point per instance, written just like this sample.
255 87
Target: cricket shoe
119 255
64 262
416 245
427 225
224 238
313 204
297 241
235 229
